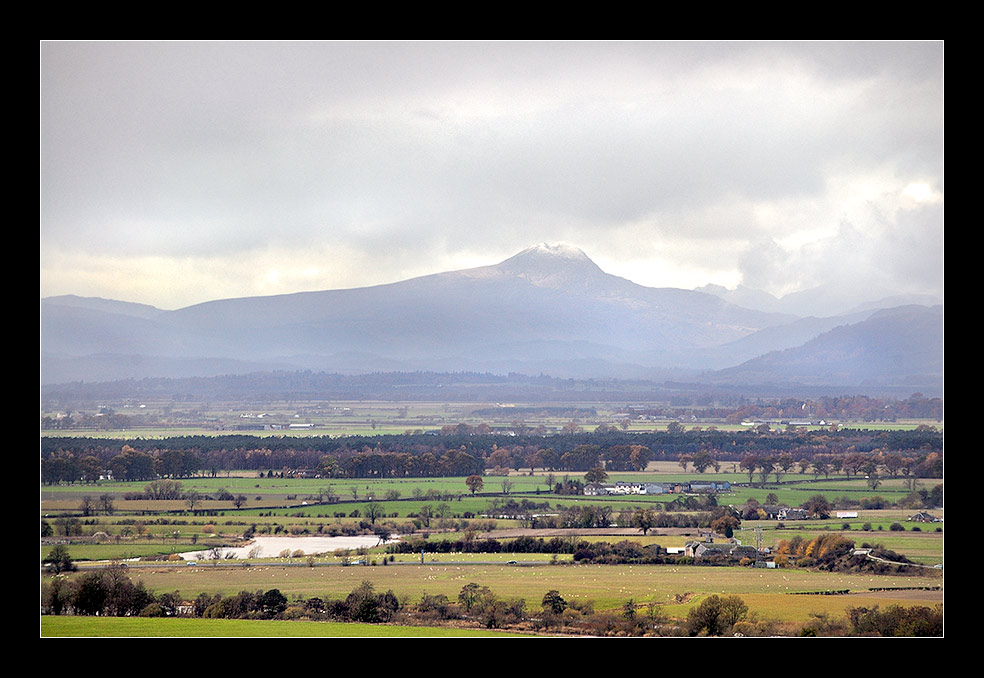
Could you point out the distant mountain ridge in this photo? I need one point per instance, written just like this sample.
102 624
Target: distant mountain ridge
548 309
830 300
901 346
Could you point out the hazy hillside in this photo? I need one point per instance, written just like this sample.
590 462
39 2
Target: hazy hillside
105 305
825 301
894 347
549 309
546 303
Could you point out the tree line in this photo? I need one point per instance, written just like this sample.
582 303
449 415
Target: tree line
917 453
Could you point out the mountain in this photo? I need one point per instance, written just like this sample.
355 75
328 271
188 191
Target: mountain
777 338
548 309
898 348
105 305
826 301
744 296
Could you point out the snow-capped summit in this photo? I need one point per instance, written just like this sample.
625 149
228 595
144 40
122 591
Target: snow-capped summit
551 265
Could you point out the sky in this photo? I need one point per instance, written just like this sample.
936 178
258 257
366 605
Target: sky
174 173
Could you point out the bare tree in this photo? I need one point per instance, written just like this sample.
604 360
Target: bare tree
374 511
106 503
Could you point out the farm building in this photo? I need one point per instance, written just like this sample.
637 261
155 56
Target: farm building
923 517
597 489
699 550
710 486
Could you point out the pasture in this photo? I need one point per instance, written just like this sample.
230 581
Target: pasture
786 595
135 627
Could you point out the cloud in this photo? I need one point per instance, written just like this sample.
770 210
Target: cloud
680 163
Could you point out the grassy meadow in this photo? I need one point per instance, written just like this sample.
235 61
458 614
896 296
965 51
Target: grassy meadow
116 627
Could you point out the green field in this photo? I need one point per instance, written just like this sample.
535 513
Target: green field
282 506
606 585
113 627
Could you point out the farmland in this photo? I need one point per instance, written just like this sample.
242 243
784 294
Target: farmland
199 513
114 627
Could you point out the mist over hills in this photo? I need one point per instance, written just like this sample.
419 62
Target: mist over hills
829 300
549 309
896 346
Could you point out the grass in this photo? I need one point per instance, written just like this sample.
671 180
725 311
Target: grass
113 627
607 586
770 594
83 552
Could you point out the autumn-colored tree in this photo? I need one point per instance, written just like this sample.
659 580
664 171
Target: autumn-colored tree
725 525
474 483
703 460
640 457
817 506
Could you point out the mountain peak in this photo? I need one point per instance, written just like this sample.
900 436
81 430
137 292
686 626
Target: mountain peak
550 265
559 250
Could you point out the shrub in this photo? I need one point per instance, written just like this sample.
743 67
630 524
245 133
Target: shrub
897 527
152 610
896 621
716 615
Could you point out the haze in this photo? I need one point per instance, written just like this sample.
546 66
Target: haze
176 173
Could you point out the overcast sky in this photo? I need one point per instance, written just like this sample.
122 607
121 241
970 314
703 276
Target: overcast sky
175 173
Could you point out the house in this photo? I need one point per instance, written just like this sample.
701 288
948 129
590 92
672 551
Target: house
699 550
621 487
923 517
655 549
304 473
771 511
597 489
740 551
628 488
793 514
